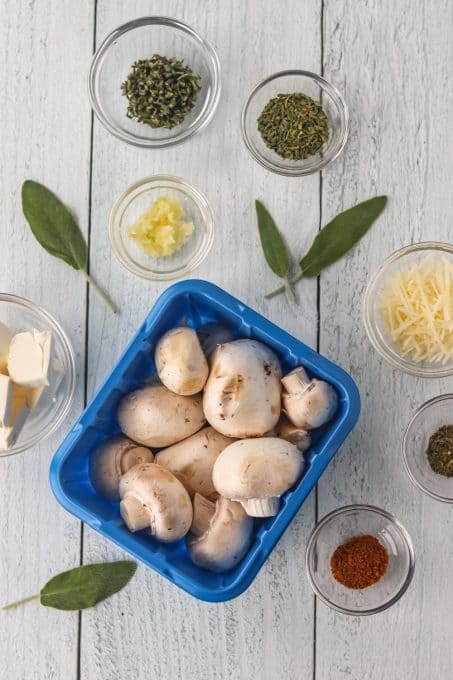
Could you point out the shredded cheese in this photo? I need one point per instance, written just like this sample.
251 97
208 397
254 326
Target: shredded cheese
416 307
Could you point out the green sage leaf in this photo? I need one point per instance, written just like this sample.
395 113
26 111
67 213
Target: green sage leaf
274 247
87 585
340 235
53 225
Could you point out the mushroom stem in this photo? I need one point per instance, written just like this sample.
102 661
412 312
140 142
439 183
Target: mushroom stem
203 512
261 507
135 514
296 381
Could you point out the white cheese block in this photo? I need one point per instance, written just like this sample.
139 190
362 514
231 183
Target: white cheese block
5 338
29 357
6 401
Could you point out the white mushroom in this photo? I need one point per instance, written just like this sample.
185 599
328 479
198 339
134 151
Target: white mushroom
211 335
256 472
192 460
180 362
296 435
152 497
156 417
242 394
111 460
308 403
220 535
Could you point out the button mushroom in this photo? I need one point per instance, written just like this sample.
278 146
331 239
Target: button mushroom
152 497
156 417
308 403
296 435
192 460
242 395
180 362
220 535
256 472
111 460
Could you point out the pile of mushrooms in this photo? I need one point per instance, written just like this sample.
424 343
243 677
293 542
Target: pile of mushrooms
230 432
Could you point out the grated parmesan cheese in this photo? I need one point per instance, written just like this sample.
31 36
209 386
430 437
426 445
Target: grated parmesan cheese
416 307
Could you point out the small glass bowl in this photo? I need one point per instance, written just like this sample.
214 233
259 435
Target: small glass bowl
400 261
337 528
21 315
426 421
138 198
140 39
321 91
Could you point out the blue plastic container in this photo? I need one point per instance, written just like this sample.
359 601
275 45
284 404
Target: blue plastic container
194 303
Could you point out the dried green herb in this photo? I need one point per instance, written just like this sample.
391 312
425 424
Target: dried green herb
440 451
334 240
294 126
160 91
83 586
56 230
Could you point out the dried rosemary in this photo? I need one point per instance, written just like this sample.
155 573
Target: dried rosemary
294 126
440 451
160 91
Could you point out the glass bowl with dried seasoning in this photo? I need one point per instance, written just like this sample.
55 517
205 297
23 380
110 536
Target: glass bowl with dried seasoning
154 82
428 448
161 228
295 123
360 560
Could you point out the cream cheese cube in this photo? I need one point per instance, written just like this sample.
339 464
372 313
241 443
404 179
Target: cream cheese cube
6 401
29 358
5 339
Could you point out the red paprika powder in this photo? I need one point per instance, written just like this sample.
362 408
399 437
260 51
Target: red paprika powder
359 562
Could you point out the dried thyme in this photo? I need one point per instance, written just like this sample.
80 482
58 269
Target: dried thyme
440 451
294 126
160 91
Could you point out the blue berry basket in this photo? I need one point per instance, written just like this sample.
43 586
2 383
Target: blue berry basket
194 303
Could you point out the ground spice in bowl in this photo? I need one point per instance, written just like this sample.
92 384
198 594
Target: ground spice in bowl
360 562
440 451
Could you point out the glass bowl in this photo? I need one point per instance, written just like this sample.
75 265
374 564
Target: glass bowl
21 315
136 200
140 39
321 91
337 528
400 260
426 421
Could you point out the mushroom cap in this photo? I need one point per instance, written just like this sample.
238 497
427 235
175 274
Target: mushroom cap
296 435
242 395
111 460
152 497
308 403
264 467
192 460
156 417
180 362
225 542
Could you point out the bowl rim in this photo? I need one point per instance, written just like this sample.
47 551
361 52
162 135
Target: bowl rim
66 404
199 199
368 319
406 539
404 447
98 57
336 96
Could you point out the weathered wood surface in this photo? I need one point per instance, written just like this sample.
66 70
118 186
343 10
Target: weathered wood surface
393 61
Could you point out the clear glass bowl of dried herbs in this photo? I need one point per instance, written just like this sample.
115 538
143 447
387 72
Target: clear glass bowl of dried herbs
428 448
154 82
295 123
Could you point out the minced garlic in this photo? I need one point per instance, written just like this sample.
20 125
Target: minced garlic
417 309
162 229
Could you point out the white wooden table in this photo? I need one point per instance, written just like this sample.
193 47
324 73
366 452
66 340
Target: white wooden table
393 62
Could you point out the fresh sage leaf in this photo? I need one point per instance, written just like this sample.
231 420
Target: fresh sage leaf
83 586
340 235
273 245
56 230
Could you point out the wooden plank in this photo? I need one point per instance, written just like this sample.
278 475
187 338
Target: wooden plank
392 60
152 629
44 135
